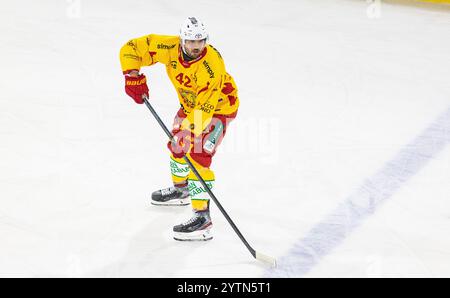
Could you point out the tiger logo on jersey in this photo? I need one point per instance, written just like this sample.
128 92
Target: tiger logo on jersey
189 97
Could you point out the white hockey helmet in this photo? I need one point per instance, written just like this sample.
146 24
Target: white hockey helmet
193 29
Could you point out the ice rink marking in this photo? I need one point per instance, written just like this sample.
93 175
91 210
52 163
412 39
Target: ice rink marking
335 227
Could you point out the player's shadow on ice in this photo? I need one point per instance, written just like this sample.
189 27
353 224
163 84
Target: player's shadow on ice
153 252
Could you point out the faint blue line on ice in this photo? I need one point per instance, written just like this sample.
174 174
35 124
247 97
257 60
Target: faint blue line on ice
335 227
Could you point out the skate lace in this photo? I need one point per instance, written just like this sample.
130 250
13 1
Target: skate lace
167 191
190 221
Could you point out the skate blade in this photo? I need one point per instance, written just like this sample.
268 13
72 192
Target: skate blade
172 203
194 236
187 240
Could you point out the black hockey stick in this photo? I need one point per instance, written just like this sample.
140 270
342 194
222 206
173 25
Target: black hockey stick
255 254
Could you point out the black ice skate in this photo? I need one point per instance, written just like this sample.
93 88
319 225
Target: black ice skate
198 228
171 196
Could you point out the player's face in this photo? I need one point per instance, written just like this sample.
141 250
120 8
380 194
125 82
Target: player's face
194 47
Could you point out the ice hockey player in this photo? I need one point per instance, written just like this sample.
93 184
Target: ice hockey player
209 101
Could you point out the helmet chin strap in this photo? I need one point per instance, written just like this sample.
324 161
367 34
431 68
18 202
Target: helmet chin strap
183 41
185 55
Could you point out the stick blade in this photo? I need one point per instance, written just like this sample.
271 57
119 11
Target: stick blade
266 259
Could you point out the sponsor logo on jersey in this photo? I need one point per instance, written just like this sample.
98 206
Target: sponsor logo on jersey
207 107
174 63
165 46
208 69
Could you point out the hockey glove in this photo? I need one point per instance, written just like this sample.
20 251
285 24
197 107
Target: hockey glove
180 144
136 87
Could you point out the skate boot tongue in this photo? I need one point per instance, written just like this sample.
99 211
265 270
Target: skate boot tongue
198 216
190 221
204 213
168 191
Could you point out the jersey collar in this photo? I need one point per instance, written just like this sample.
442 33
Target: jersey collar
187 64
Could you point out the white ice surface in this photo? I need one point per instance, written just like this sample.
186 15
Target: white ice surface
328 96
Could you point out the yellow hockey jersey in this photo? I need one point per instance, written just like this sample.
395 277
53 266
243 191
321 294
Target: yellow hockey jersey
204 87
